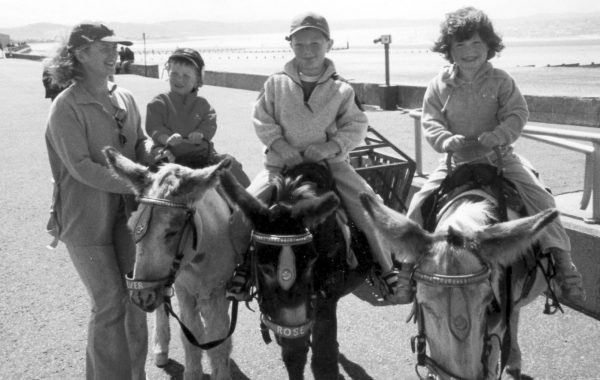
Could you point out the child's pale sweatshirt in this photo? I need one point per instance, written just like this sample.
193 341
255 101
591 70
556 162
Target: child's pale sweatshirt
490 103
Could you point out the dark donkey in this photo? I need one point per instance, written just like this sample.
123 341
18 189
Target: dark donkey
300 266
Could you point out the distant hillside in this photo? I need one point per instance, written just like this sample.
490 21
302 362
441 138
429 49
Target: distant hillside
540 26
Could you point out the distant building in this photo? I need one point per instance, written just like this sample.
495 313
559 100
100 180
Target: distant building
4 40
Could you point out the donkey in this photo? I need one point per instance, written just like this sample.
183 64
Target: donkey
466 306
300 266
181 228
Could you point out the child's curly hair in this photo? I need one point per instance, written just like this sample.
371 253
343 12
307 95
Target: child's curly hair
462 25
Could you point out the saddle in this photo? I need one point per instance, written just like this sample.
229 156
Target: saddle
467 177
358 256
486 178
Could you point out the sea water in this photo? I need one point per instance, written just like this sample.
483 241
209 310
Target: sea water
356 56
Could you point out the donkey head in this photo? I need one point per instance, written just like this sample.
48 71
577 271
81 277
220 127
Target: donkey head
166 224
457 274
283 250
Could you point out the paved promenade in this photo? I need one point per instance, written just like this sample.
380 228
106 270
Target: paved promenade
44 308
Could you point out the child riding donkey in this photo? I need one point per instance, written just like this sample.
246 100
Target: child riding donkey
307 113
184 122
470 109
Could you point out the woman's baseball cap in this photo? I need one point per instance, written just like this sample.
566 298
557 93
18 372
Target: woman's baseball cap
84 34
308 20
189 55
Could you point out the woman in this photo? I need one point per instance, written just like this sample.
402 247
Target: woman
91 206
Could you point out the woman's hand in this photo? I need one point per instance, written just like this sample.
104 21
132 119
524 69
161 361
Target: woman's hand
454 143
489 140
196 137
175 139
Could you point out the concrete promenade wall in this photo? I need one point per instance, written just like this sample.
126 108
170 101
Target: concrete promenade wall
544 109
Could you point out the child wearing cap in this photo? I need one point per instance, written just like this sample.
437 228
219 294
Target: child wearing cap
307 113
184 122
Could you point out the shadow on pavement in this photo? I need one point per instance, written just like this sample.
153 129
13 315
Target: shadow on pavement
175 371
354 371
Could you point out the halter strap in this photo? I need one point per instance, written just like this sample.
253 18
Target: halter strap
452 281
162 202
289 332
269 239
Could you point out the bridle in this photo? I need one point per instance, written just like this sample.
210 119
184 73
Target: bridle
166 283
419 342
286 276
140 229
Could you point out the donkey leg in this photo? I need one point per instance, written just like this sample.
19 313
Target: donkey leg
161 337
214 312
191 318
294 353
514 364
325 348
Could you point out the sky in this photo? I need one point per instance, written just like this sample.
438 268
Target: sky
14 13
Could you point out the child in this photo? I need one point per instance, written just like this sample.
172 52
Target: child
469 109
307 113
183 121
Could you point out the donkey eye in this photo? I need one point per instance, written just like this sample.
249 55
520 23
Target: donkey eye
170 234
267 269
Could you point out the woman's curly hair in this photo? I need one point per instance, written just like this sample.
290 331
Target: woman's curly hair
63 66
462 25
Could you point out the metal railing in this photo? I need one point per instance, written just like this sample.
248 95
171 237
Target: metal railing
554 136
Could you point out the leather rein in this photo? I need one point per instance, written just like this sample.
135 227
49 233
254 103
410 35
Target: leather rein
166 283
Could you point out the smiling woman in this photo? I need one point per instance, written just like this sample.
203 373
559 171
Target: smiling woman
91 207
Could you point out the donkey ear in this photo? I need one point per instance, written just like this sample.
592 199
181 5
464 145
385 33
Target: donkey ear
314 211
503 243
199 180
136 176
250 205
399 230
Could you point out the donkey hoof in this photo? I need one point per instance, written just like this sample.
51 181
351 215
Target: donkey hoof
161 360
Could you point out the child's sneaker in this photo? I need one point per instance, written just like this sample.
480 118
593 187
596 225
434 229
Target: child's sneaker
238 288
567 276
399 287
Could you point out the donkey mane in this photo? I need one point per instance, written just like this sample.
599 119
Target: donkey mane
468 216
292 190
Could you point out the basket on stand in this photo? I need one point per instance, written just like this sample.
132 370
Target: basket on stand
390 176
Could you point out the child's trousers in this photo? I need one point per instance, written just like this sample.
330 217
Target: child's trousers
531 189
